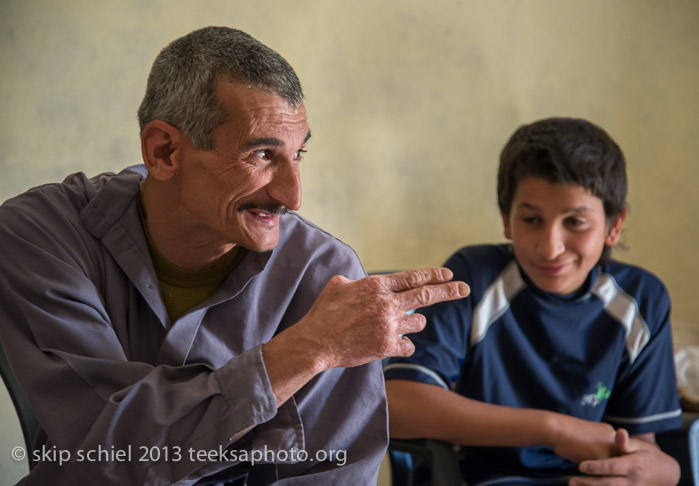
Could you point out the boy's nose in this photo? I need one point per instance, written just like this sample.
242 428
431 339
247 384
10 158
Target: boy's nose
551 243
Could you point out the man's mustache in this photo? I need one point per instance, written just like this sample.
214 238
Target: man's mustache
269 208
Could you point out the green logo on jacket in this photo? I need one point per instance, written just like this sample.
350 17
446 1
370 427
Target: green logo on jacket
594 399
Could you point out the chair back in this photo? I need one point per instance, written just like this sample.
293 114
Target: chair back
27 419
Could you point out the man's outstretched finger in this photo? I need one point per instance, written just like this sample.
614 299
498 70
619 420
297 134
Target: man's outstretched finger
432 294
412 279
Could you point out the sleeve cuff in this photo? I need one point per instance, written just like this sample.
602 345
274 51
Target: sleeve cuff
249 396
247 390
414 372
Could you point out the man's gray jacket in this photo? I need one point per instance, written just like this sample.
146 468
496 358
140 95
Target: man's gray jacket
132 398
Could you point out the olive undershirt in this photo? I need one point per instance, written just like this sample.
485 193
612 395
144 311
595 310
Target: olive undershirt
183 289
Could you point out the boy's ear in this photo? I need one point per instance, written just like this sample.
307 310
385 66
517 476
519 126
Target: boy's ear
614 233
159 143
506 225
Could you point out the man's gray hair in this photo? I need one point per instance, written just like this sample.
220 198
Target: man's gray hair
182 82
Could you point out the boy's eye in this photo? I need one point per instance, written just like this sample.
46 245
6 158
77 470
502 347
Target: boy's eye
575 221
530 219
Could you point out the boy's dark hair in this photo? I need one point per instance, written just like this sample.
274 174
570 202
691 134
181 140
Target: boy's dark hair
565 150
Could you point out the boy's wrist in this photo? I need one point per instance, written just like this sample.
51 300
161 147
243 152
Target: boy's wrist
551 428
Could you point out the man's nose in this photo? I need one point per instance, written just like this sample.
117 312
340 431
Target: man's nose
285 186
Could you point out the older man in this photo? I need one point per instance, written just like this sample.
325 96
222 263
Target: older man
175 324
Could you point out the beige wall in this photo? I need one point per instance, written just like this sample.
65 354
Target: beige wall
409 102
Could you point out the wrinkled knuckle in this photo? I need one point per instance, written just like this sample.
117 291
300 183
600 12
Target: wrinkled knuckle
440 274
383 306
374 283
454 290
337 280
424 296
380 321
413 278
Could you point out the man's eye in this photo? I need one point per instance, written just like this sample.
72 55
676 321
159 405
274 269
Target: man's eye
263 154
299 154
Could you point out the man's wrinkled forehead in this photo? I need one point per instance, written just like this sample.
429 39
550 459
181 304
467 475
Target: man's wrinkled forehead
238 98
252 109
271 142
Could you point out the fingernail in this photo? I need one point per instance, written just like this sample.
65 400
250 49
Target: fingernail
463 289
446 274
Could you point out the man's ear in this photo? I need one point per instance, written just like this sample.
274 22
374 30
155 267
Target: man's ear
159 142
506 225
614 233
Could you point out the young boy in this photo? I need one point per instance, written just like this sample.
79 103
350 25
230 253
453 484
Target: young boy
558 369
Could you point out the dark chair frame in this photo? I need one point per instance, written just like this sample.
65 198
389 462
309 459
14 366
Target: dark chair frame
27 420
683 445
439 456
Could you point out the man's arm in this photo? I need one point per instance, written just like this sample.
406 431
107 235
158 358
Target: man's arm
343 405
424 410
355 322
